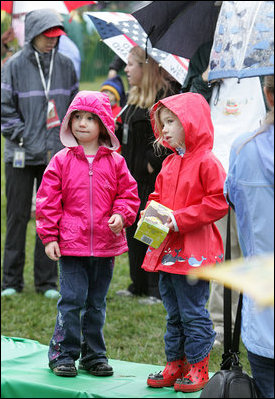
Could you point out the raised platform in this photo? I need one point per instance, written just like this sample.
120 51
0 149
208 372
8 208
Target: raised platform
25 374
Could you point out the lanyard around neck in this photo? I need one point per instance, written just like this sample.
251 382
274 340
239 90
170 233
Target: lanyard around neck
46 87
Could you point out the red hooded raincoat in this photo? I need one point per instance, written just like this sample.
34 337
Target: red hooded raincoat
192 186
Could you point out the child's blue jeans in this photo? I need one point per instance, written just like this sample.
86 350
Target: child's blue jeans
189 329
84 283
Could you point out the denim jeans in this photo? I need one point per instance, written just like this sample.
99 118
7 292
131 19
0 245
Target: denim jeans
263 373
189 329
84 283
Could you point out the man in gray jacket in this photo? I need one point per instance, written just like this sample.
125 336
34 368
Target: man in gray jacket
38 84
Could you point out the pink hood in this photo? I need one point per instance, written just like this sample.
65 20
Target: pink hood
91 101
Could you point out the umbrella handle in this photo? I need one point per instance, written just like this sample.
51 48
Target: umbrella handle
146 52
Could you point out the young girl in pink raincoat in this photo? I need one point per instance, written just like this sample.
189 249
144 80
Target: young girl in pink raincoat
86 199
191 184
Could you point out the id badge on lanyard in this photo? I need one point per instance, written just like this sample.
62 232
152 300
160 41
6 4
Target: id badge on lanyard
19 156
52 116
125 133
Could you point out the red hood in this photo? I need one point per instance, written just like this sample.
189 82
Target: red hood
194 113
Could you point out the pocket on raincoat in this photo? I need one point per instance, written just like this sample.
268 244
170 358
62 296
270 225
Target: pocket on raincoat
69 230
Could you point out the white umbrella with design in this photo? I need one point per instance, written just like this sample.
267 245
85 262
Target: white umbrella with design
243 43
23 7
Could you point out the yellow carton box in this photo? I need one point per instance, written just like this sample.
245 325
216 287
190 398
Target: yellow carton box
151 227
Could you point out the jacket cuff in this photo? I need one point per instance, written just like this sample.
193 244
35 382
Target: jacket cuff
49 239
176 229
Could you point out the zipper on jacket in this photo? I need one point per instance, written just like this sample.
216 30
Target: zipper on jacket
91 203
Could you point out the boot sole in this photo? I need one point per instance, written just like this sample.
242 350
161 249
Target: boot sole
96 373
189 388
64 374
159 384
101 373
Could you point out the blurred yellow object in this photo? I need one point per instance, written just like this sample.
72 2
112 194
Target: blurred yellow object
253 276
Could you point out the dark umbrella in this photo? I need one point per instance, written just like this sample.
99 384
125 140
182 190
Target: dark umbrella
121 31
179 27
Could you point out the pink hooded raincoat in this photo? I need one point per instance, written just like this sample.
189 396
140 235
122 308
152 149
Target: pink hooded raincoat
76 199
192 186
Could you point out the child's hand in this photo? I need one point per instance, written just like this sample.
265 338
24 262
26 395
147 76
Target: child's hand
142 213
52 250
170 224
116 223
150 168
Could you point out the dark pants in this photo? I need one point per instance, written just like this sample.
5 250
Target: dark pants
143 283
19 191
263 373
189 329
84 284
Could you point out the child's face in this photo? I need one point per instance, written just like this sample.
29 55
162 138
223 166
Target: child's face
172 129
85 127
111 96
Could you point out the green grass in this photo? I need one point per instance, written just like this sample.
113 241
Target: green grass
133 332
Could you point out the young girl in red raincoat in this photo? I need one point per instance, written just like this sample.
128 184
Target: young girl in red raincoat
191 184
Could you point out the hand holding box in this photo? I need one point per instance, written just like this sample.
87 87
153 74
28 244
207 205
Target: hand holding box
152 228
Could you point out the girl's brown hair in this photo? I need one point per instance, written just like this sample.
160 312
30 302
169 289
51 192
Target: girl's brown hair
104 137
153 80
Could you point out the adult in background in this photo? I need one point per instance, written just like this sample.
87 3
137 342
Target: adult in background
236 107
6 37
38 84
250 189
148 83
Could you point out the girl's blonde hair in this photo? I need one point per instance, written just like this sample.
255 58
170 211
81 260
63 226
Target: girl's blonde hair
153 80
104 137
156 119
269 119
158 143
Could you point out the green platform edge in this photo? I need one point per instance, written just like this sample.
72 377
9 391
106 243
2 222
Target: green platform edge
25 374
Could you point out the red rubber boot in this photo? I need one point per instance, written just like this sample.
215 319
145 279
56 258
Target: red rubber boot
195 379
167 377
